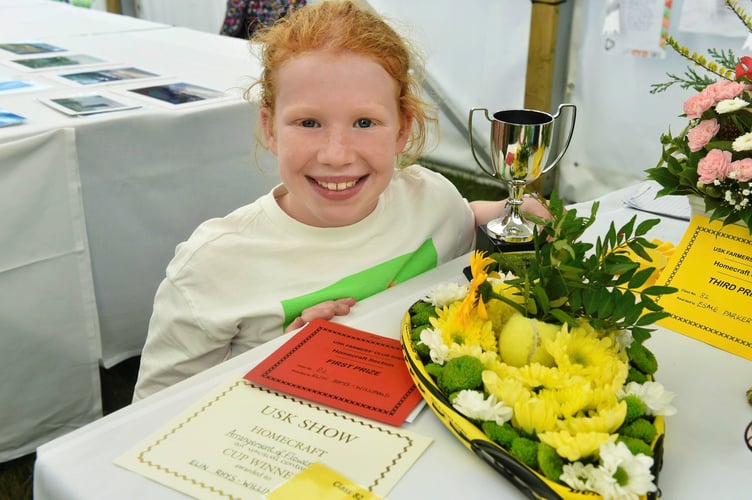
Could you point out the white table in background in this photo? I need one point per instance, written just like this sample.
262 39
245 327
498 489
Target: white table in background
146 178
705 455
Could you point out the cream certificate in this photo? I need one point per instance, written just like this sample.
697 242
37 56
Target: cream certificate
712 269
242 441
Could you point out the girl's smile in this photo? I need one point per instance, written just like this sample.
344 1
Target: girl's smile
336 130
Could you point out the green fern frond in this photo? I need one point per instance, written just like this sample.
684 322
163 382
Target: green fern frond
740 13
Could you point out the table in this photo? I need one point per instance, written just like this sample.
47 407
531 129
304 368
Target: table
705 456
145 179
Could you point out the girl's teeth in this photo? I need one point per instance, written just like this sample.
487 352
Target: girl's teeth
337 186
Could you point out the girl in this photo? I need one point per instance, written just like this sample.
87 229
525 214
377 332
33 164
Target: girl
339 109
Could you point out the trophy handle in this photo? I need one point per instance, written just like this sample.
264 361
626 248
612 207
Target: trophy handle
569 134
472 144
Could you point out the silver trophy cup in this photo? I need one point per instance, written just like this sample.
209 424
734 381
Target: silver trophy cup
520 147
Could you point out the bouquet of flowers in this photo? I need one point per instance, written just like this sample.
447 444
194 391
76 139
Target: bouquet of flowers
712 156
544 355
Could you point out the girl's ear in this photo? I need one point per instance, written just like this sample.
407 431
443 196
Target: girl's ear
267 126
404 133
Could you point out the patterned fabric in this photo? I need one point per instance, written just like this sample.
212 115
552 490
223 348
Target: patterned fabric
243 17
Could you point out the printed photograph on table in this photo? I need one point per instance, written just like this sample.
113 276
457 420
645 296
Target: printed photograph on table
178 93
25 48
102 76
7 118
11 85
51 62
86 105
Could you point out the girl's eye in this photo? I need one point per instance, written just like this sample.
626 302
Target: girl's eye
363 123
308 123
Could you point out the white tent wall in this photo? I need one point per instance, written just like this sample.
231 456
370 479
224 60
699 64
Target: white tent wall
619 122
476 56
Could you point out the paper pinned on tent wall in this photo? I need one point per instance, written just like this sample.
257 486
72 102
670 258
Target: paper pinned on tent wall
636 27
710 17
611 23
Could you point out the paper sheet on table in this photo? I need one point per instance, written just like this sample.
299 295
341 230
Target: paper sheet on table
643 199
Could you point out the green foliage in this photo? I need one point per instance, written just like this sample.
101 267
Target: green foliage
636 375
640 429
526 451
460 373
636 446
501 434
717 66
642 358
551 464
565 279
635 408
420 312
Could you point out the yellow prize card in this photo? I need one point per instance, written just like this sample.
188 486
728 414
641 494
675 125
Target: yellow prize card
712 268
321 482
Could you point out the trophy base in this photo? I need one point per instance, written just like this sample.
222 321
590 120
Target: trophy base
488 243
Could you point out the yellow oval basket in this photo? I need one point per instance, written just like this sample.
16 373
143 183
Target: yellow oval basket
527 480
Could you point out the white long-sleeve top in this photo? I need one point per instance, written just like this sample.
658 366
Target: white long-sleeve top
240 279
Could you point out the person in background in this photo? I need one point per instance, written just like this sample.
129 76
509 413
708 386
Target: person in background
244 17
340 109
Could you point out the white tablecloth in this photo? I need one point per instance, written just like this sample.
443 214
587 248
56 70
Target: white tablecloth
705 455
148 177
49 380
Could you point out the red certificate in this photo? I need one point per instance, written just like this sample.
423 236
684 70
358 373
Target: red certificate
343 368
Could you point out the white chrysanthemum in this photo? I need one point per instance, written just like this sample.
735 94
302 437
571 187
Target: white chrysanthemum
578 476
624 339
743 142
730 105
438 350
475 406
653 394
446 294
622 475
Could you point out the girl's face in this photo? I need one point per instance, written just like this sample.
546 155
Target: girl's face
336 133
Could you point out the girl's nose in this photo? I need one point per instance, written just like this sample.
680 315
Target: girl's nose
336 150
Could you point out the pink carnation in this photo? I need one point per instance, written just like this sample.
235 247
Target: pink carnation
700 135
724 89
696 105
714 166
743 169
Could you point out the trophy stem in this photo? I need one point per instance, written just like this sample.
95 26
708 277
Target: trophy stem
511 227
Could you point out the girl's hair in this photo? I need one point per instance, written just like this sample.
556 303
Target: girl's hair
346 26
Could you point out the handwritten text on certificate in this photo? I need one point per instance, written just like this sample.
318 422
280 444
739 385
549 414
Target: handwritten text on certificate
712 268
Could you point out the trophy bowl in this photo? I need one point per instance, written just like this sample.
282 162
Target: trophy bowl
520 149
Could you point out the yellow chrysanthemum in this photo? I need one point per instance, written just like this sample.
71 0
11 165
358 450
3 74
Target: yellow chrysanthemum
459 350
575 446
536 375
535 414
604 420
574 397
464 331
579 354
505 389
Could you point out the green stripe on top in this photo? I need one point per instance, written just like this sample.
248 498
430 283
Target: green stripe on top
368 282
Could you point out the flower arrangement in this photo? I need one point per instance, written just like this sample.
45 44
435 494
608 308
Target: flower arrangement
545 354
712 156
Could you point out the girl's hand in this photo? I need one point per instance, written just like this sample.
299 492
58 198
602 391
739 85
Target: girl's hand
325 310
